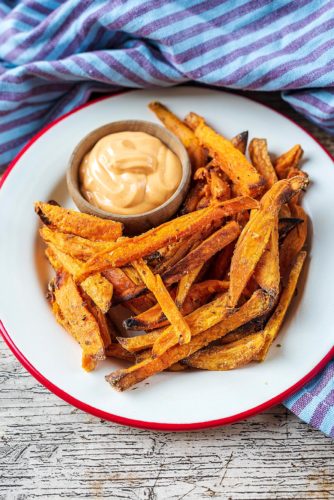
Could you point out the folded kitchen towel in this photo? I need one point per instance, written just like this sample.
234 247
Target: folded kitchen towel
55 53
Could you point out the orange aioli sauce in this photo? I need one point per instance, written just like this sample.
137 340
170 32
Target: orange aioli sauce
129 173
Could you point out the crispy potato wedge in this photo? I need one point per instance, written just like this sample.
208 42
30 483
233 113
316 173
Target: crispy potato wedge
274 324
267 272
293 242
259 304
255 235
240 141
198 295
258 152
73 222
75 246
128 250
287 161
78 320
196 153
244 176
228 357
154 283
199 255
100 290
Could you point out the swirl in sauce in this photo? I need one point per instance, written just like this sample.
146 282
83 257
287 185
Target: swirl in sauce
129 173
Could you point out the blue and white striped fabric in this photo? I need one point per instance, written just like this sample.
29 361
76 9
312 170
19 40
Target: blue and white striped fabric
55 53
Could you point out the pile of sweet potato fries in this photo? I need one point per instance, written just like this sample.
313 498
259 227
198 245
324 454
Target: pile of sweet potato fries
208 289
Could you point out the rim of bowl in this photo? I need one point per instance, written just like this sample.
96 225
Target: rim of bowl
186 170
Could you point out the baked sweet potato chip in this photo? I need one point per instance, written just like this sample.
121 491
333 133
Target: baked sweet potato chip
258 305
196 153
260 158
272 327
228 357
244 176
130 249
77 223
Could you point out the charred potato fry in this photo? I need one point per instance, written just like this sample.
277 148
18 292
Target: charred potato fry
287 161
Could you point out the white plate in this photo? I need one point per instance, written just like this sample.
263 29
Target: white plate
175 401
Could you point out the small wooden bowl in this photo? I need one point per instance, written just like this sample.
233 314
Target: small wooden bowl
138 223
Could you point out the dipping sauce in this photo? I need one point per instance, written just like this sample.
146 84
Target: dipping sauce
129 173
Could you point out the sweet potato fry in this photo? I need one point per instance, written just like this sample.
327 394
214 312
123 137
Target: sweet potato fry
75 246
130 249
154 283
203 252
198 295
267 272
124 289
222 262
118 352
61 261
240 141
287 161
77 319
227 357
178 251
258 304
293 242
140 342
255 235
219 187
184 285
260 158
77 223
99 289
201 319
102 320
196 153
133 275
193 198
245 177
287 224
274 324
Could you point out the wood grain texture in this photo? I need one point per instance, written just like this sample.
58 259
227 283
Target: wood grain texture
51 450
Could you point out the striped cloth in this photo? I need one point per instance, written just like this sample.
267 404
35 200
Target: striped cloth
55 53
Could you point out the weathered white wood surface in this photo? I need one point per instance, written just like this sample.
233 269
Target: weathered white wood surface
49 449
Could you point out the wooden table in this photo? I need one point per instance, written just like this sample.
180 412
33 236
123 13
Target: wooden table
50 450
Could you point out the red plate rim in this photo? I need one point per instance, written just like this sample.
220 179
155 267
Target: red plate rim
128 421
